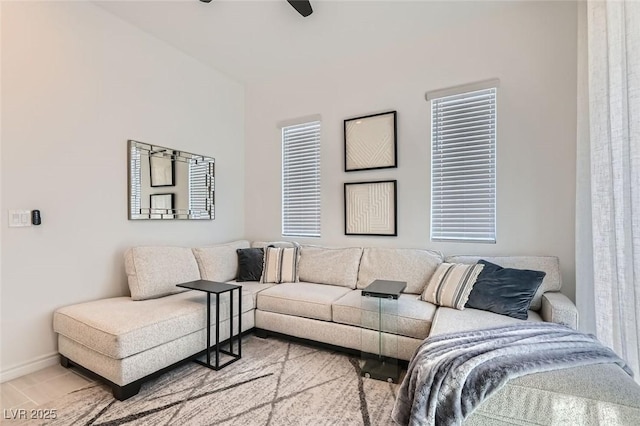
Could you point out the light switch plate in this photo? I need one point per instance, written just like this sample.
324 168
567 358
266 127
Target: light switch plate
19 218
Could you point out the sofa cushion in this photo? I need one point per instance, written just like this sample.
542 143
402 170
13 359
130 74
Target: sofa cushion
451 284
599 394
253 288
415 266
330 265
407 316
280 265
548 264
155 271
301 299
504 291
140 325
449 320
219 262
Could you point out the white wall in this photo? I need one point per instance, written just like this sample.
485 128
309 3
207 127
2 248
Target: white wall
76 84
530 47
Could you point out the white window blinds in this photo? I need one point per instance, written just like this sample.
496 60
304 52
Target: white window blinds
301 180
136 183
201 184
463 166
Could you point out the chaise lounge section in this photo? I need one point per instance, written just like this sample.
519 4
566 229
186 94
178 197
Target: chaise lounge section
127 340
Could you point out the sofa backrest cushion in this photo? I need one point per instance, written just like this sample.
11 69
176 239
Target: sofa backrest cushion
219 262
154 271
415 266
334 266
549 264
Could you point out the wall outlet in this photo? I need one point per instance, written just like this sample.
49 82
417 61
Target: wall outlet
19 218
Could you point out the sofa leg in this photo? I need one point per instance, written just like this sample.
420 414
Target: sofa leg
125 392
258 332
64 361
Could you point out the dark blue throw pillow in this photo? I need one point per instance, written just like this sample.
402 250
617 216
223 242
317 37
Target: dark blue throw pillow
504 291
249 264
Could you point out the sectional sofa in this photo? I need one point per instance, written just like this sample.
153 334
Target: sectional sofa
127 340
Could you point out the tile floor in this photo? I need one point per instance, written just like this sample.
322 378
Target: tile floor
39 388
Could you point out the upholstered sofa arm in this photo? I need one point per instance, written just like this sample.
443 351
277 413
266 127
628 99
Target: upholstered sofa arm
558 308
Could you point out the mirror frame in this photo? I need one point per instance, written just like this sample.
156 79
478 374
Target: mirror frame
206 167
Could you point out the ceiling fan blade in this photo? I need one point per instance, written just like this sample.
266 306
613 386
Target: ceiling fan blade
302 6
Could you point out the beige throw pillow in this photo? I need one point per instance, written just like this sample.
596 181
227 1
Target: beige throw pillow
451 284
280 265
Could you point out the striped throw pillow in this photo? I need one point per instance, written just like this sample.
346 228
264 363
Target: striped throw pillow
280 265
451 284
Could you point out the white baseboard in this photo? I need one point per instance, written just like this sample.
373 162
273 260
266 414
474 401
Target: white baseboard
24 368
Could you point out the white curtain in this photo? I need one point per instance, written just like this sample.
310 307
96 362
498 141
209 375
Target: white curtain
614 125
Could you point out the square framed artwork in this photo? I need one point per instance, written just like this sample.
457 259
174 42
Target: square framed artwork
370 208
370 142
162 168
161 206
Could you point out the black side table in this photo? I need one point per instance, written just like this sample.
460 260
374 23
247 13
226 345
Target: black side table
213 287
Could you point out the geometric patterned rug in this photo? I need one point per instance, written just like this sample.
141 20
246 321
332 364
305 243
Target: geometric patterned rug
276 382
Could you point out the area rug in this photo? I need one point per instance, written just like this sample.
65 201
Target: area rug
276 382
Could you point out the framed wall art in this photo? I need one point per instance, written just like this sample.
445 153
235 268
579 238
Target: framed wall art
370 208
370 142
162 168
161 206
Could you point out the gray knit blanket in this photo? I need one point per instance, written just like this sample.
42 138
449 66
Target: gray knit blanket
451 374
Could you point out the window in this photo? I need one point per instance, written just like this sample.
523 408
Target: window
463 166
301 180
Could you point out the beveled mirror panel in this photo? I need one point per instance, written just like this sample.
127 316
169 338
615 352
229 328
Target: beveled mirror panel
168 184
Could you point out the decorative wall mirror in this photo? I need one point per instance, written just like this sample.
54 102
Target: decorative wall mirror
169 184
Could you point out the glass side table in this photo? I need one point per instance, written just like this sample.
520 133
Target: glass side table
379 317
216 288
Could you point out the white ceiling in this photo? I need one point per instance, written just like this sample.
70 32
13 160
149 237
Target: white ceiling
253 41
